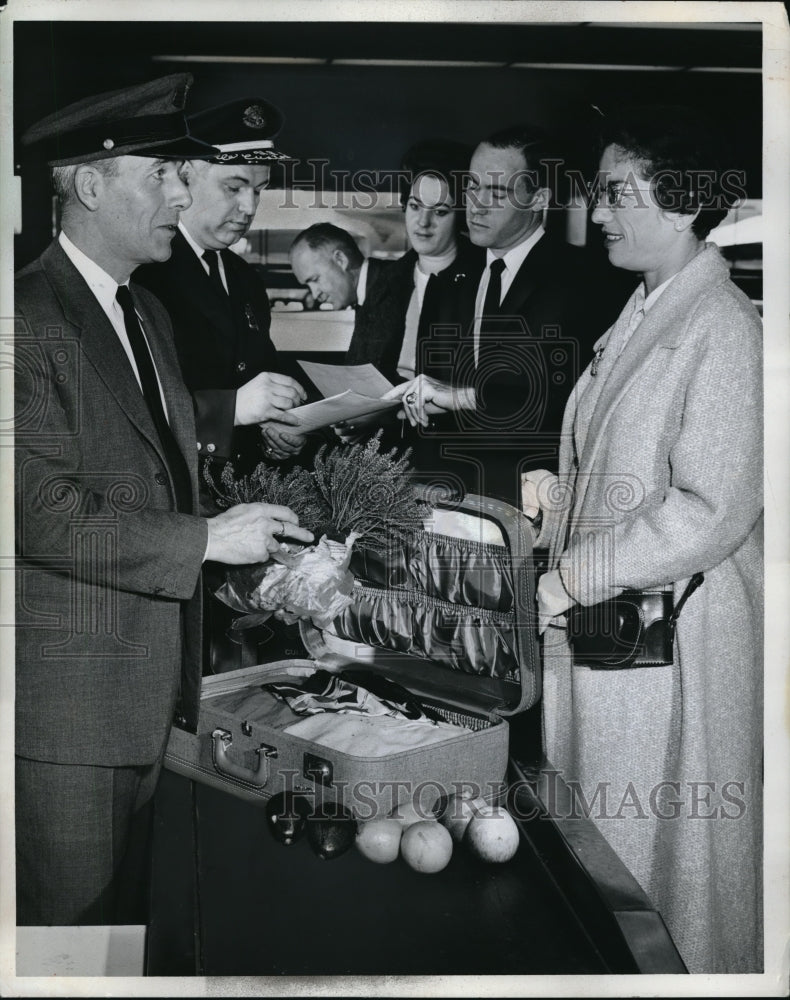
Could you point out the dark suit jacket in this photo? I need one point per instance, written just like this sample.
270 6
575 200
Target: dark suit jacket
107 572
560 302
222 342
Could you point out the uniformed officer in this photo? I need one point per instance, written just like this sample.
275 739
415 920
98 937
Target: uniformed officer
218 302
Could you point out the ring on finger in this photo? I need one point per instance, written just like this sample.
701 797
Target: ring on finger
280 530
411 398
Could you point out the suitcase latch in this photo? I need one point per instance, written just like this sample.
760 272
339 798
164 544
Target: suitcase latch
317 769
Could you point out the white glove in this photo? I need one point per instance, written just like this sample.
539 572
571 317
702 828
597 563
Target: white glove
535 486
553 600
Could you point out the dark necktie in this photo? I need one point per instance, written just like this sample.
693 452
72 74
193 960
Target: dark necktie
211 257
488 329
150 386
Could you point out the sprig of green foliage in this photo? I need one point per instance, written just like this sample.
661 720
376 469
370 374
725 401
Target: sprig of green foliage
352 490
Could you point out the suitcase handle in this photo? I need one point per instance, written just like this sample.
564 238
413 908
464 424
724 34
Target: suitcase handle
221 742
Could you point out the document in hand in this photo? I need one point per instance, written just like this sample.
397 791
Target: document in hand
349 391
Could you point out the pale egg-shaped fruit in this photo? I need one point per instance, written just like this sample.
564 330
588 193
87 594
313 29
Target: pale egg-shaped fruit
492 834
409 813
458 814
426 847
379 840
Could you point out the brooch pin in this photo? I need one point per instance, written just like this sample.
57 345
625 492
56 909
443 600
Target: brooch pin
596 361
251 320
458 277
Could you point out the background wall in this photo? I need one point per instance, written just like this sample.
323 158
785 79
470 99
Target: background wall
358 94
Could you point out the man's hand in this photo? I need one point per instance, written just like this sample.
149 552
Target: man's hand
268 396
249 533
358 428
279 442
424 397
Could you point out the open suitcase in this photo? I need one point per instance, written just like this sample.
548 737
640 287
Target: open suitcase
449 615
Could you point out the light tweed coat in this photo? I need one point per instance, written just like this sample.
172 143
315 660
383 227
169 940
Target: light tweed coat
670 482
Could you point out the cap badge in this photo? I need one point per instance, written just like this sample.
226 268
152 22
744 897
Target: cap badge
253 116
108 144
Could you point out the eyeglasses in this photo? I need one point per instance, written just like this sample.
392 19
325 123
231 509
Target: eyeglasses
615 193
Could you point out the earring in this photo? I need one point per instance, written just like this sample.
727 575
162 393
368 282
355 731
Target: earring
679 227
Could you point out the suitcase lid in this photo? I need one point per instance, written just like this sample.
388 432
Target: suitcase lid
505 532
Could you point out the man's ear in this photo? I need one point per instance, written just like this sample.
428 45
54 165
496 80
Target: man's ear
88 182
541 199
340 258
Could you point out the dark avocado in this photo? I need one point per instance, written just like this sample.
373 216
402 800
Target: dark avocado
286 817
331 830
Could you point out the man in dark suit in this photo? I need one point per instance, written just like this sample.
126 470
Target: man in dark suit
531 321
109 544
218 303
328 261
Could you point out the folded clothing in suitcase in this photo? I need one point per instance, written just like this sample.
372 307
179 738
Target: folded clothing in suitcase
448 614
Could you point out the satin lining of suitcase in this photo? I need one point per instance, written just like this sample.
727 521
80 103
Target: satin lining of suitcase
459 570
472 640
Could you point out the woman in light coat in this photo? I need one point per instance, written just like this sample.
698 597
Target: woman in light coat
661 478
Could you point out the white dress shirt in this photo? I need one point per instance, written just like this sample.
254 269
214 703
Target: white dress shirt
362 282
105 289
199 251
513 259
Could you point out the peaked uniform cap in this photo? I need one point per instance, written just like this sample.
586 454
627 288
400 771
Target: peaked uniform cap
144 120
242 130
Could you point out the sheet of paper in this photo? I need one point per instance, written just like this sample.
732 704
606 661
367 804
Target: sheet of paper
344 406
330 380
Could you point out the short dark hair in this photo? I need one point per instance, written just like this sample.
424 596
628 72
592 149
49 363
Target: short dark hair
441 158
535 145
678 150
325 236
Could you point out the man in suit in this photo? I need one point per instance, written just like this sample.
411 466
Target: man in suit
109 544
217 301
531 320
328 261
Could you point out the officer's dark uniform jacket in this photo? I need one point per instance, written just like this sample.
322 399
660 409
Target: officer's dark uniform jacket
222 342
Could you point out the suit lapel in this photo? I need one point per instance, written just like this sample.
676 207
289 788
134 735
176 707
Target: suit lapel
529 276
98 339
389 290
463 282
179 402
